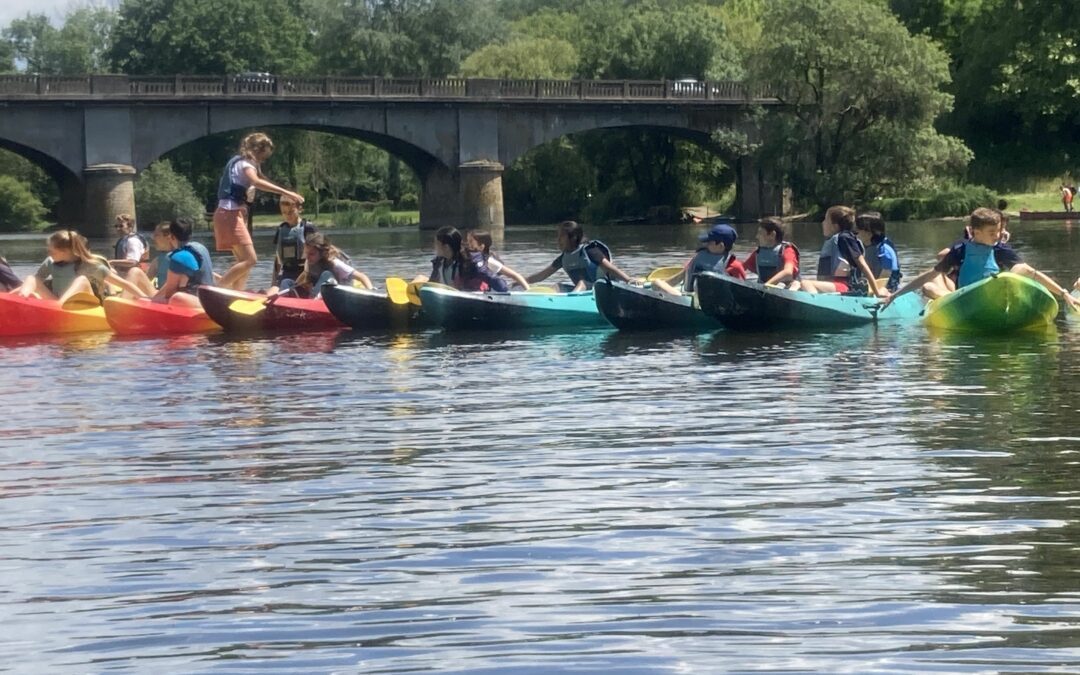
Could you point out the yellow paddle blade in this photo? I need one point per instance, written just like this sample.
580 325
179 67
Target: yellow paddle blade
397 289
663 273
82 301
248 307
542 289
412 292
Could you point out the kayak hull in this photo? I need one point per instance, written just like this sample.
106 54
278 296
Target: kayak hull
460 310
362 309
142 317
33 316
285 314
746 305
633 308
1002 303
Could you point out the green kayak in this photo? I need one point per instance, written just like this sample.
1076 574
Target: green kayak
748 305
634 308
1002 303
453 309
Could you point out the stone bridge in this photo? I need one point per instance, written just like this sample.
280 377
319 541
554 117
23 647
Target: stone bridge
92 134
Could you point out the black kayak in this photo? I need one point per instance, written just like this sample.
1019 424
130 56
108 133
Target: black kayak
635 308
362 309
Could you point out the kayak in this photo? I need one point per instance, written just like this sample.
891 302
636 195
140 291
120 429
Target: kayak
283 314
631 308
34 316
748 305
143 317
999 304
364 309
455 309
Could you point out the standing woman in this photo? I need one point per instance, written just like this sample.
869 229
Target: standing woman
236 190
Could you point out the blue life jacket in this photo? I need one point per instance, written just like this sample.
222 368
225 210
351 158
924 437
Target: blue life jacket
479 276
830 261
578 265
705 261
446 272
204 276
290 248
977 264
227 189
120 249
770 260
875 255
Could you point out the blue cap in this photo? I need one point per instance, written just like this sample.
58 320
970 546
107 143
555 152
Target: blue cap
722 233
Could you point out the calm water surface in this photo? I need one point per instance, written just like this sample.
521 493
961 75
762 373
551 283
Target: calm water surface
878 500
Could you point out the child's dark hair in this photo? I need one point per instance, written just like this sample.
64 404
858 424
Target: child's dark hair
483 237
573 231
841 216
872 222
773 225
449 236
181 229
983 217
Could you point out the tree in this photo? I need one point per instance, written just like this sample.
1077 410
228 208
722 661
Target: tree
78 47
211 37
863 95
161 194
534 58
19 208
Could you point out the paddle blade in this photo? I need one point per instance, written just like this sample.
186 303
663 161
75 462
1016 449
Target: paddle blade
248 307
548 290
82 301
412 292
663 273
398 290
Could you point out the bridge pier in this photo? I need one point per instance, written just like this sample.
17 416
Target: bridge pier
758 193
470 197
109 191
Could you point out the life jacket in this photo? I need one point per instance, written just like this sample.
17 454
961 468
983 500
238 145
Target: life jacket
290 248
770 260
204 276
120 249
446 272
63 274
874 257
705 261
833 267
977 262
579 266
479 277
227 189
162 268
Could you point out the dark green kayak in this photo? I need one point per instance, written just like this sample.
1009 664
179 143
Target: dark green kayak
636 308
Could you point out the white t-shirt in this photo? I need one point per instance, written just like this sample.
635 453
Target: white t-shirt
236 174
134 249
494 266
342 271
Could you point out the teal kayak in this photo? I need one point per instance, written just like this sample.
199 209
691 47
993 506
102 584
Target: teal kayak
637 308
1002 303
453 309
748 305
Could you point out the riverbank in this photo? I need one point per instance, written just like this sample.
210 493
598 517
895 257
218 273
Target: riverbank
330 220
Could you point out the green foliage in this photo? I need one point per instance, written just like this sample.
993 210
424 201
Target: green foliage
28 173
864 94
551 183
363 218
20 209
211 37
953 200
78 47
543 58
162 194
409 202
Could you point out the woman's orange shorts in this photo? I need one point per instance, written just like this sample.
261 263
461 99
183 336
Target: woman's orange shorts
230 229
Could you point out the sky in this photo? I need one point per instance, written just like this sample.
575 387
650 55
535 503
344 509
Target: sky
54 9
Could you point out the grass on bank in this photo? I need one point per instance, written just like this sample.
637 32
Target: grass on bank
348 219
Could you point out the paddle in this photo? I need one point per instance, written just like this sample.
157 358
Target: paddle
663 273
413 289
398 290
255 306
548 290
82 301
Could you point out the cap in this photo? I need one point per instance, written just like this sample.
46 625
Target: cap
722 233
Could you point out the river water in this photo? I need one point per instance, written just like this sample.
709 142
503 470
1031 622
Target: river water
871 500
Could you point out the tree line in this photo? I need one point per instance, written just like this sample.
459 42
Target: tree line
887 99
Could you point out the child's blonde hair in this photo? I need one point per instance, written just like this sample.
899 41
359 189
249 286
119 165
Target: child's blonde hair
255 144
70 240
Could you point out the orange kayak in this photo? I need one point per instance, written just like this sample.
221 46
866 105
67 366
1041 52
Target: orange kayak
142 317
33 316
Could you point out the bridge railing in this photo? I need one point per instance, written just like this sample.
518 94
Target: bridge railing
260 85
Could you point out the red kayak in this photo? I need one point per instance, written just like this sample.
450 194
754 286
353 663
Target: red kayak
34 316
142 317
242 312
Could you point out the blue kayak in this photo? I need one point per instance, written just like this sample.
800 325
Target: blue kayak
749 305
453 309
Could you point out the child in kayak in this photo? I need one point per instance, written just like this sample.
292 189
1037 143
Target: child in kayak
715 256
448 265
775 261
582 260
71 268
289 240
479 242
188 266
154 276
323 262
880 252
982 256
9 281
842 265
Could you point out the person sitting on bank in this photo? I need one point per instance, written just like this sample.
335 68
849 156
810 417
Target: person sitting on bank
775 261
289 241
880 252
715 256
976 259
582 260
842 265
189 266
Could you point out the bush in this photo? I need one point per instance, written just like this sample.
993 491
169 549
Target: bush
19 208
162 194
380 217
953 200
408 202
